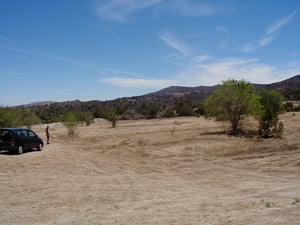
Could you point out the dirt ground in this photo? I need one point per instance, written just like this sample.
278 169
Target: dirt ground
179 171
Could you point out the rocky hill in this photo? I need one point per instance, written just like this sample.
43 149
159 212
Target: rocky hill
168 102
290 88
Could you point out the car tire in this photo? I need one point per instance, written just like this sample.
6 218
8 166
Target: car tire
20 150
40 147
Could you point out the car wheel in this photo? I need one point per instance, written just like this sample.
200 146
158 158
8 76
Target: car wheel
20 150
40 147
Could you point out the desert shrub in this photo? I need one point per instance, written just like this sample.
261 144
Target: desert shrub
148 110
289 106
70 121
169 113
184 109
269 124
112 117
85 117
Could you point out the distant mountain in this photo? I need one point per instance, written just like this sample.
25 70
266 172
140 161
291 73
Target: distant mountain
37 103
167 102
290 88
179 91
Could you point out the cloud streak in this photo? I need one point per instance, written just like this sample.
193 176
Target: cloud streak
273 30
280 23
97 69
214 71
205 70
120 10
247 47
137 82
189 8
174 43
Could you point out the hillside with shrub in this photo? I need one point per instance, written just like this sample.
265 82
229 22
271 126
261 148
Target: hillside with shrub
169 102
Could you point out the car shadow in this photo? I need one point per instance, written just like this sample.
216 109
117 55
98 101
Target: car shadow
6 152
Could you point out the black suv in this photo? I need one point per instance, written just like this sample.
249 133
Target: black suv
19 139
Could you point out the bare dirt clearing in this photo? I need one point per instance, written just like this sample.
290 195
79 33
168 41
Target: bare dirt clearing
164 171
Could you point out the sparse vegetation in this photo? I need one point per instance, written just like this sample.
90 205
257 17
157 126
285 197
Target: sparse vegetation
199 170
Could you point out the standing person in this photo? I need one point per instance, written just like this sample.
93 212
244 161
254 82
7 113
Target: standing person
48 135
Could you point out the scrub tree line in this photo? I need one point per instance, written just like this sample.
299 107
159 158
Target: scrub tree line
12 117
232 101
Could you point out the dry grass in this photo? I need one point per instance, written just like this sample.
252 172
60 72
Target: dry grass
164 171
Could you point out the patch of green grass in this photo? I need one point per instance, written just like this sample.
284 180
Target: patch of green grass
296 201
268 204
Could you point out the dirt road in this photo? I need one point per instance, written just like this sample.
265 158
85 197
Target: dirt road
165 171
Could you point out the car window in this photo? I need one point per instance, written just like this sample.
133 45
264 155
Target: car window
31 133
5 133
17 132
23 133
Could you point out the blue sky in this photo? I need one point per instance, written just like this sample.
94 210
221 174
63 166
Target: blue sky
63 50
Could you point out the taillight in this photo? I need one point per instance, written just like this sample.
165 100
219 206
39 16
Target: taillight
12 141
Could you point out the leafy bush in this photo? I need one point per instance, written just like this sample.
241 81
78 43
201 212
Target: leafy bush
70 121
271 102
184 109
112 117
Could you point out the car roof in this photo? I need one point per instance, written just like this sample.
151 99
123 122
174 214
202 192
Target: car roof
13 129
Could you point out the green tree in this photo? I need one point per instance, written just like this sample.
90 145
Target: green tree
112 117
184 109
70 121
231 102
86 117
10 117
272 105
29 118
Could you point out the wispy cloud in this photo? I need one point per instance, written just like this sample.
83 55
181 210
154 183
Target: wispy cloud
94 68
214 71
211 71
267 39
120 10
190 8
247 47
137 82
3 38
272 31
175 43
201 58
280 23
222 29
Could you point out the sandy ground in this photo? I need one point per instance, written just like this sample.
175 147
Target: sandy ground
166 171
